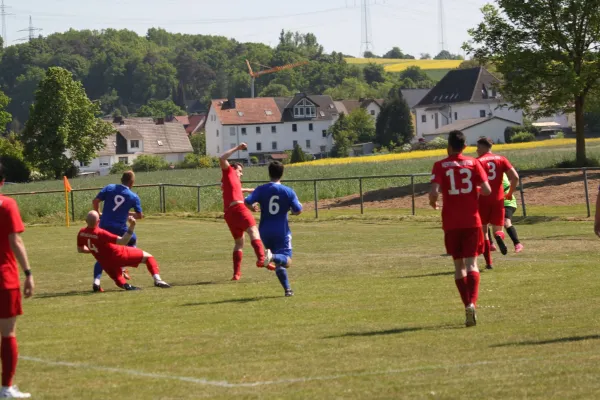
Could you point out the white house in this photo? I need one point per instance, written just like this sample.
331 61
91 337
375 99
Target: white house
463 94
270 125
491 127
139 136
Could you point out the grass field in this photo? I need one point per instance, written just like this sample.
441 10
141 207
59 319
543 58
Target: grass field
376 315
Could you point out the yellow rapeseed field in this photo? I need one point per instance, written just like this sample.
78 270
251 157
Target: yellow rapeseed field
438 153
395 65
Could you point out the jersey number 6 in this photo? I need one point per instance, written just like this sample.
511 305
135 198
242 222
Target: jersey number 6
273 205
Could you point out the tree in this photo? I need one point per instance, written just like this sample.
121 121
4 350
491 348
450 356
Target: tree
395 52
425 56
369 54
446 55
276 90
63 126
298 155
362 126
394 124
374 73
547 53
159 109
198 141
5 117
343 137
415 74
351 88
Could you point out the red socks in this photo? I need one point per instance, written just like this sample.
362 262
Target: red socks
257 245
487 252
152 266
463 289
9 354
237 264
473 286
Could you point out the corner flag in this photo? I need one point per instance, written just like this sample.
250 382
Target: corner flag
67 190
67 184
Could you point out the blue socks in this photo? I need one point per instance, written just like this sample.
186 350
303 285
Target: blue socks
283 276
97 271
280 259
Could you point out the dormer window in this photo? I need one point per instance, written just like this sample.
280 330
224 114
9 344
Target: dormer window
135 144
305 108
159 142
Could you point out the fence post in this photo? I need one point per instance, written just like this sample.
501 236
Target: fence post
73 206
198 198
362 209
316 200
164 199
587 193
160 201
412 185
522 196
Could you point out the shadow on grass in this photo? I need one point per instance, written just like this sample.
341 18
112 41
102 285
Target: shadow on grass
193 284
427 275
65 294
534 220
549 341
229 301
396 331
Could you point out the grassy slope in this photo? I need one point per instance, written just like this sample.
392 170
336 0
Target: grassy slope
383 309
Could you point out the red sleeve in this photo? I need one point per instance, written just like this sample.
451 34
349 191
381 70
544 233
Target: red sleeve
437 173
507 165
107 237
480 174
15 223
80 240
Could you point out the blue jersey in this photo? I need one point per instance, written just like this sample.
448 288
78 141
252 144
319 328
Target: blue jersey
118 200
275 200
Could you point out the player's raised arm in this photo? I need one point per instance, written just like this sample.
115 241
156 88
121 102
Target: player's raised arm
225 156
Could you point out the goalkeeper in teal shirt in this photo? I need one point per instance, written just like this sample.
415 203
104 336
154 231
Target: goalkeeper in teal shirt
510 206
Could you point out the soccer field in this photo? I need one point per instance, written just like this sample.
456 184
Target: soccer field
376 315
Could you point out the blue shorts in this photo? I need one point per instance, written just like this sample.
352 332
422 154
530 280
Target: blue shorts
120 231
278 244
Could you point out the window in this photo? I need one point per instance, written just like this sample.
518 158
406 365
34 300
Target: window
372 112
482 113
241 113
274 145
218 149
323 149
243 131
135 144
232 145
159 142
124 160
258 130
273 129
456 116
305 108
294 128
217 133
104 164
258 146
324 133
295 143
310 127
321 113
423 118
301 109
308 144
232 131
268 112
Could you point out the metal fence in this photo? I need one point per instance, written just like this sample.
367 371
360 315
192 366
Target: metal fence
202 191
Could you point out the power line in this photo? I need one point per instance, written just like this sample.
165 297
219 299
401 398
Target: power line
442 23
3 15
31 29
366 41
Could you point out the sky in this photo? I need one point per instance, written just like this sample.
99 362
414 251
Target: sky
411 25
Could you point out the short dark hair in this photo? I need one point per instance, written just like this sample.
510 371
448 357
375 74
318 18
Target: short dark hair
2 172
456 140
275 170
127 177
484 141
235 165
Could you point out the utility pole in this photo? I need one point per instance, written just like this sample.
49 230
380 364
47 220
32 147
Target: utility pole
442 25
31 29
3 14
366 41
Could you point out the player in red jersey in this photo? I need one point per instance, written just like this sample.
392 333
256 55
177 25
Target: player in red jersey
12 249
457 178
238 216
491 208
111 252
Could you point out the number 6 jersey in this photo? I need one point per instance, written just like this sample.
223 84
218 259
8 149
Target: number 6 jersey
118 200
275 200
458 177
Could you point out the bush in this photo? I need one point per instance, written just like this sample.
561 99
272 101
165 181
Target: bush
16 169
437 143
407 148
71 172
522 137
195 161
254 160
147 163
119 168
511 131
589 162
559 135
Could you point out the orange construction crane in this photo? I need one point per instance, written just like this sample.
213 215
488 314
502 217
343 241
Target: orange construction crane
255 75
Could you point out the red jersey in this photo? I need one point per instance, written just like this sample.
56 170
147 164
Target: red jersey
102 244
458 177
10 222
495 167
231 186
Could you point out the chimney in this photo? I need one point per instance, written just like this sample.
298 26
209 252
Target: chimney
160 121
118 120
231 101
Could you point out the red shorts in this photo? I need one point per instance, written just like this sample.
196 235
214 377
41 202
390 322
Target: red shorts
464 243
239 219
492 213
131 257
10 303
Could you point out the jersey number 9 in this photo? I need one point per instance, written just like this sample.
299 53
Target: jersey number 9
119 200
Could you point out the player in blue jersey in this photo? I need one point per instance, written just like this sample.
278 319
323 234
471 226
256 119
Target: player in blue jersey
275 201
118 200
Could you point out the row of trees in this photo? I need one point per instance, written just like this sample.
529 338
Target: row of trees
398 54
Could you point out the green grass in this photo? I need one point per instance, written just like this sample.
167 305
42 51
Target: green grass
50 207
376 315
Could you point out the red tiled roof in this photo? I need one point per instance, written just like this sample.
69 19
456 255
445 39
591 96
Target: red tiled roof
196 123
279 156
182 119
248 111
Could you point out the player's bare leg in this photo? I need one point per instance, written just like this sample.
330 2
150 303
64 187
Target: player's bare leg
499 236
9 355
473 289
512 232
237 258
263 259
152 266
487 252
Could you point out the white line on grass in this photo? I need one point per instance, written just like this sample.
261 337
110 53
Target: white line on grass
225 384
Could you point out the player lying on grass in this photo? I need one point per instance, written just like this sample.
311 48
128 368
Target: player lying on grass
457 178
118 201
275 201
111 252
491 208
238 217
510 206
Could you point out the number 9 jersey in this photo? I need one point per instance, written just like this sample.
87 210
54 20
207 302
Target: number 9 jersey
118 200
275 200
458 177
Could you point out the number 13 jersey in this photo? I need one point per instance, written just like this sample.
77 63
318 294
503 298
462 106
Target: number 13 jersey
275 200
458 177
118 200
